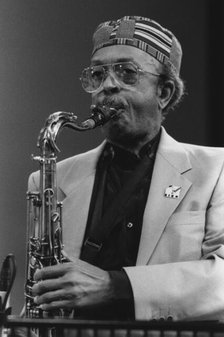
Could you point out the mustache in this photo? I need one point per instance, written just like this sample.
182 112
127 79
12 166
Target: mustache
113 102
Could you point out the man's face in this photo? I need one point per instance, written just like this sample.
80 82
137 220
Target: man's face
140 118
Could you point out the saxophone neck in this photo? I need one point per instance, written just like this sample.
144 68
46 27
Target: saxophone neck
53 125
61 119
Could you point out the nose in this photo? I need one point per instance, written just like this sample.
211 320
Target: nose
110 83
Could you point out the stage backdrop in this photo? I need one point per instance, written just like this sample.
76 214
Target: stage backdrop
43 47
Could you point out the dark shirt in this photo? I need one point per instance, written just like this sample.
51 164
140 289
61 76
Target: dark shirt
116 168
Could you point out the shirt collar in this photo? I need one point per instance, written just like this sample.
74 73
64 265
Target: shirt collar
127 158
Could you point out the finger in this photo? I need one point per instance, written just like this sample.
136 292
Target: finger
53 296
50 272
66 258
46 286
63 304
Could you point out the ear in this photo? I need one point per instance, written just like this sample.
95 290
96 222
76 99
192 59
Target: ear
165 92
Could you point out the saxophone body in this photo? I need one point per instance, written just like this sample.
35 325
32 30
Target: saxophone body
44 212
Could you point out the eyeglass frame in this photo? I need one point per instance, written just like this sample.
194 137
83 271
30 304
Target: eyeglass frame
111 65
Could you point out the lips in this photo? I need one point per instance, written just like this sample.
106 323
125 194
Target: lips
114 102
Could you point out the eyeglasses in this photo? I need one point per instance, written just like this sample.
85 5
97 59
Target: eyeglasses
126 73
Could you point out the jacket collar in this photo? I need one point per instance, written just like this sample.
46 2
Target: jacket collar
174 152
78 170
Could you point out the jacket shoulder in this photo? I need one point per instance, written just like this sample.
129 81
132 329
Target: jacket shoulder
204 153
85 160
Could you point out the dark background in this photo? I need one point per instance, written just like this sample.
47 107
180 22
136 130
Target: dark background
44 44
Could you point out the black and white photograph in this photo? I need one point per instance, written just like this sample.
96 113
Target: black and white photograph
111 168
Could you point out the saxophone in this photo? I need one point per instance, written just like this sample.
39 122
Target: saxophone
44 212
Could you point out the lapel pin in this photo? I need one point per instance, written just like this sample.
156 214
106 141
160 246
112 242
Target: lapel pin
172 192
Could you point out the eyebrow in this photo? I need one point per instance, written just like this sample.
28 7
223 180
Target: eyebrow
121 59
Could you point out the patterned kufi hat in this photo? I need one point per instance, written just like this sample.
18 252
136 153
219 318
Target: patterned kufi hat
142 33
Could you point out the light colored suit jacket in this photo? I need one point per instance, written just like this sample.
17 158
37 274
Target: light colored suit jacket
180 266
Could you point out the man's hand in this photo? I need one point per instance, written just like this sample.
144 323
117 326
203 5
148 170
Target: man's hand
76 284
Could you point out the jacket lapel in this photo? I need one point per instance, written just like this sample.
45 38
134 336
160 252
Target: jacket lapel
170 165
77 187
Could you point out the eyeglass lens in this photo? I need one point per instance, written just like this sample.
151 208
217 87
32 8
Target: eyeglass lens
93 77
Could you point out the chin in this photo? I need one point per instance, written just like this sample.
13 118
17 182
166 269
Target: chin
120 133
115 128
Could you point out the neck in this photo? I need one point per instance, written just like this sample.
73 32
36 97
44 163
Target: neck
133 145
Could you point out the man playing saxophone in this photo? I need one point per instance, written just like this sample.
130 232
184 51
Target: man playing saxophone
142 213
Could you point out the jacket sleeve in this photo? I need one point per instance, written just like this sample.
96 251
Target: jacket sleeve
33 181
190 289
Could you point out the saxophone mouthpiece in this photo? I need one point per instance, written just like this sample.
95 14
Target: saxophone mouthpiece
100 116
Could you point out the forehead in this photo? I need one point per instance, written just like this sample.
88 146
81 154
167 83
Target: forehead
120 53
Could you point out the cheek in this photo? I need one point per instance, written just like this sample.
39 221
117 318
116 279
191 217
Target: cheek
143 96
144 106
